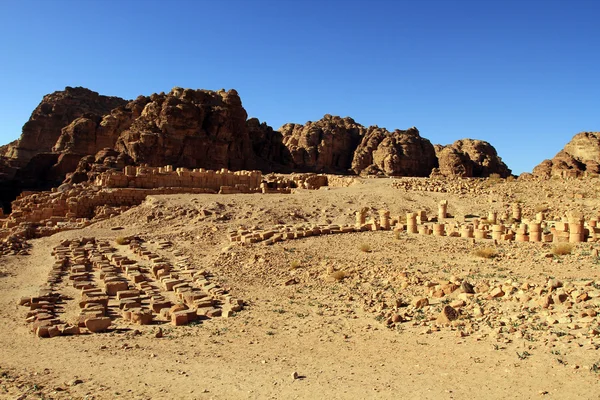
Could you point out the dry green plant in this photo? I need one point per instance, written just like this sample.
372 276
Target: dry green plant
561 249
493 179
122 240
364 247
485 252
541 208
295 264
338 275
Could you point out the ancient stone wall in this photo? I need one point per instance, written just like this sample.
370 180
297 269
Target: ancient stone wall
162 177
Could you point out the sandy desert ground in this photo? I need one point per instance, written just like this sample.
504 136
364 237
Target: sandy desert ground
330 316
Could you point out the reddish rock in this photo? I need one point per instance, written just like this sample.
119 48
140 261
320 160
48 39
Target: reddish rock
470 158
447 315
581 155
56 111
326 145
398 153
96 325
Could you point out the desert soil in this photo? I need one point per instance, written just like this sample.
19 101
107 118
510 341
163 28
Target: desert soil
331 330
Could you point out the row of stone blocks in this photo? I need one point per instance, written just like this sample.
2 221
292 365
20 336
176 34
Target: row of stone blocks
197 297
125 283
285 232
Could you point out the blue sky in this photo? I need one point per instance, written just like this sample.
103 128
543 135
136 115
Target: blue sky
522 75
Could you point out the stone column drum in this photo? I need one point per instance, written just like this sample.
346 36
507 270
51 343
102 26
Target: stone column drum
360 218
442 210
497 231
516 212
575 230
411 223
466 232
384 220
535 232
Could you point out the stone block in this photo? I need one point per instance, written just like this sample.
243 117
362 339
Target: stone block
96 325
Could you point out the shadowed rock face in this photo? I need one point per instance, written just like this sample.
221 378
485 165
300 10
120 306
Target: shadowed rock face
581 154
56 111
470 158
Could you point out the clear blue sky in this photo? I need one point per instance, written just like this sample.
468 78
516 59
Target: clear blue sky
523 75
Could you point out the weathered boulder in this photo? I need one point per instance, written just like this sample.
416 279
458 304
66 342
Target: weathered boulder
581 155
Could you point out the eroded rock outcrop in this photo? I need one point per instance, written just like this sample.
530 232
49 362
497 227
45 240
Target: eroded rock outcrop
197 129
326 145
56 111
398 153
470 158
581 155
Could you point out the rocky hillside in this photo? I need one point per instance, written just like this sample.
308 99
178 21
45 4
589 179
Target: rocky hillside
580 155
78 130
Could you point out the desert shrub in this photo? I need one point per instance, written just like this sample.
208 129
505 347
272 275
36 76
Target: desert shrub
364 247
485 252
295 264
494 179
561 249
122 240
338 275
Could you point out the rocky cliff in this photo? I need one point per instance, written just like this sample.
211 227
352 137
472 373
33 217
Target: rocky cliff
79 133
580 155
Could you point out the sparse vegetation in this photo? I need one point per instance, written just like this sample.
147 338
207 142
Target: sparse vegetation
121 240
485 252
365 247
338 275
561 249
295 264
541 208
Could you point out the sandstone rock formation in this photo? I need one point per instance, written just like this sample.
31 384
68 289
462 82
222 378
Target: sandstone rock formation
580 155
78 134
56 111
470 158
326 145
192 129
398 153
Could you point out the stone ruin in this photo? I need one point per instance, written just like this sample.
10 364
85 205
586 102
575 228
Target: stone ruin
571 228
142 290
37 214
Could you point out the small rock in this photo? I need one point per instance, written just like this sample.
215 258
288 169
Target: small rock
466 287
420 302
295 375
447 315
